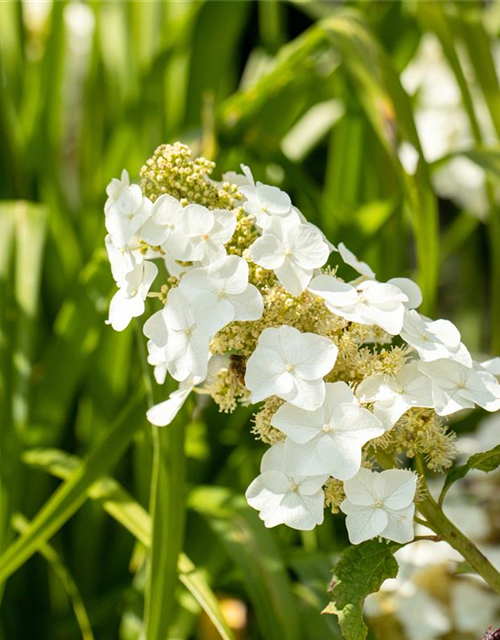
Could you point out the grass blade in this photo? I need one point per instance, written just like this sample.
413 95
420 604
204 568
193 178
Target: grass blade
72 494
121 506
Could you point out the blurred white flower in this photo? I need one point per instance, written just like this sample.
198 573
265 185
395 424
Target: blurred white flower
128 301
283 497
369 303
393 395
329 439
290 365
455 387
293 251
220 293
127 214
380 504
474 607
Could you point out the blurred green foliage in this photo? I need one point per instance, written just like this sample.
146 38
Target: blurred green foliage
309 95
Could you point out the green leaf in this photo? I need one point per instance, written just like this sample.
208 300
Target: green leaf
485 461
121 506
253 549
69 497
360 570
20 524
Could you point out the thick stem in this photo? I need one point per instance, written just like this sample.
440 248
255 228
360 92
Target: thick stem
455 538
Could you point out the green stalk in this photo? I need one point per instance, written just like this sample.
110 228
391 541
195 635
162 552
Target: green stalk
441 525
167 511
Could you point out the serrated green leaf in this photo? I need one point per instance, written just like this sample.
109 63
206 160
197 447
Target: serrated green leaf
484 461
360 570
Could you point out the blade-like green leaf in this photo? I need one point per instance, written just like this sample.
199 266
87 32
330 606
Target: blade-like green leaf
72 494
20 524
124 509
360 570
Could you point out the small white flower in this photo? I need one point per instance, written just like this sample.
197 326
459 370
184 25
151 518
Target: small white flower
455 387
433 339
330 439
350 259
114 189
283 498
380 504
394 395
127 214
166 215
263 202
175 328
293 251
221 293
369 303
128 301
290 365
202 234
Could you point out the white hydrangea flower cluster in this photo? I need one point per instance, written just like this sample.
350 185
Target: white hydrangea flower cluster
228 271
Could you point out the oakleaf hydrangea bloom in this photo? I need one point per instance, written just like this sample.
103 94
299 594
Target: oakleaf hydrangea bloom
393 395
290 365
380 504
292 251
223 290
372 303
284 497
329 439
243 309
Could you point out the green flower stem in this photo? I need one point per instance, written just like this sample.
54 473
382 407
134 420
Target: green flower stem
167 510
441 525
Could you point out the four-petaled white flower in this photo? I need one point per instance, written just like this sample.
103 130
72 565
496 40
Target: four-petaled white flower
127 214
380 504
434 339
455 387
293 251
393 395
291 365
128 301
284 497
264 202
164 224
221 293
330 439
202 234
175 328
369 303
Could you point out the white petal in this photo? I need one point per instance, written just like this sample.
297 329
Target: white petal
155 329
361 489
268 252
396 488
309 249
400 525
293 277
265 376
196 220
335 293
349 258
163 413
312 356
300 425
302 512
365 523
410 289
306 394
247 305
